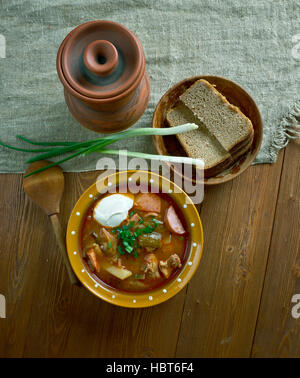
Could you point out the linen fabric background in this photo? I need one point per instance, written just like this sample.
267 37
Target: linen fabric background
253 43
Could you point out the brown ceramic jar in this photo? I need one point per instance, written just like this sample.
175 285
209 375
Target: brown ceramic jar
101 65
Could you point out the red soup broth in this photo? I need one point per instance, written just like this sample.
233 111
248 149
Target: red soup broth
171 243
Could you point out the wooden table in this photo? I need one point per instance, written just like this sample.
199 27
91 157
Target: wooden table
237 305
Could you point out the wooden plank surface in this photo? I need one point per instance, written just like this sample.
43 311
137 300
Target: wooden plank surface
214 316
223 299
278 332
46 316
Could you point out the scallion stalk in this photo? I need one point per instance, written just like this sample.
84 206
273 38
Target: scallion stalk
60 161
85 148
23 149
53 144
62 150
167 158
106 140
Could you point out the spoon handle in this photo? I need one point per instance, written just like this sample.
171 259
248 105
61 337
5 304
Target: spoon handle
61 243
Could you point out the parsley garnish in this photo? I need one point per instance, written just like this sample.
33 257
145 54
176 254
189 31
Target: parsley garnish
127 237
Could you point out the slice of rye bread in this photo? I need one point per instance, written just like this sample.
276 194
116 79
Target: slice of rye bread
199 144
214 155
224 120
238 153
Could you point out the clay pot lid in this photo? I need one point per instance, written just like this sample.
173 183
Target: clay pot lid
101 59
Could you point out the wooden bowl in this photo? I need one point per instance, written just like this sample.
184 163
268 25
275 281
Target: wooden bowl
130 299
235 95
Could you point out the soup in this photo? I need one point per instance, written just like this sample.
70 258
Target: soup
134 242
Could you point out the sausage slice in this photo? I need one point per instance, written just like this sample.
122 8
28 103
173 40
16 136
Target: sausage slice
173 222
148 202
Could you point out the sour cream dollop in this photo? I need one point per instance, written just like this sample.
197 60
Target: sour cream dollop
112 210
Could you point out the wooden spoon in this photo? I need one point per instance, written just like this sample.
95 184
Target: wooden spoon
45 189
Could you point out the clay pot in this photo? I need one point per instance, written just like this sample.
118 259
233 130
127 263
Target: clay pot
101 65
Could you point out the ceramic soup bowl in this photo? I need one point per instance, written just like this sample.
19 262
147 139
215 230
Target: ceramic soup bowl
193 249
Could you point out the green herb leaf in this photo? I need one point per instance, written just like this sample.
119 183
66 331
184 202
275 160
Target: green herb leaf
141 276
129 249
148 229
121 250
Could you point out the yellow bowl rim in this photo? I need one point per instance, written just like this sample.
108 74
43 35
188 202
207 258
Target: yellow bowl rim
130 299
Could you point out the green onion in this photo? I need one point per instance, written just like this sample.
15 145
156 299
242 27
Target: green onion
128 249
84 148
23 149
44 143
58 162
62 150
171 159
148 229
157 222
121 250
52 164
138 232
140 276
128 239
109 244
106 140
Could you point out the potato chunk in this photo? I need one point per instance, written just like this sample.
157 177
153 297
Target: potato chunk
117 271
